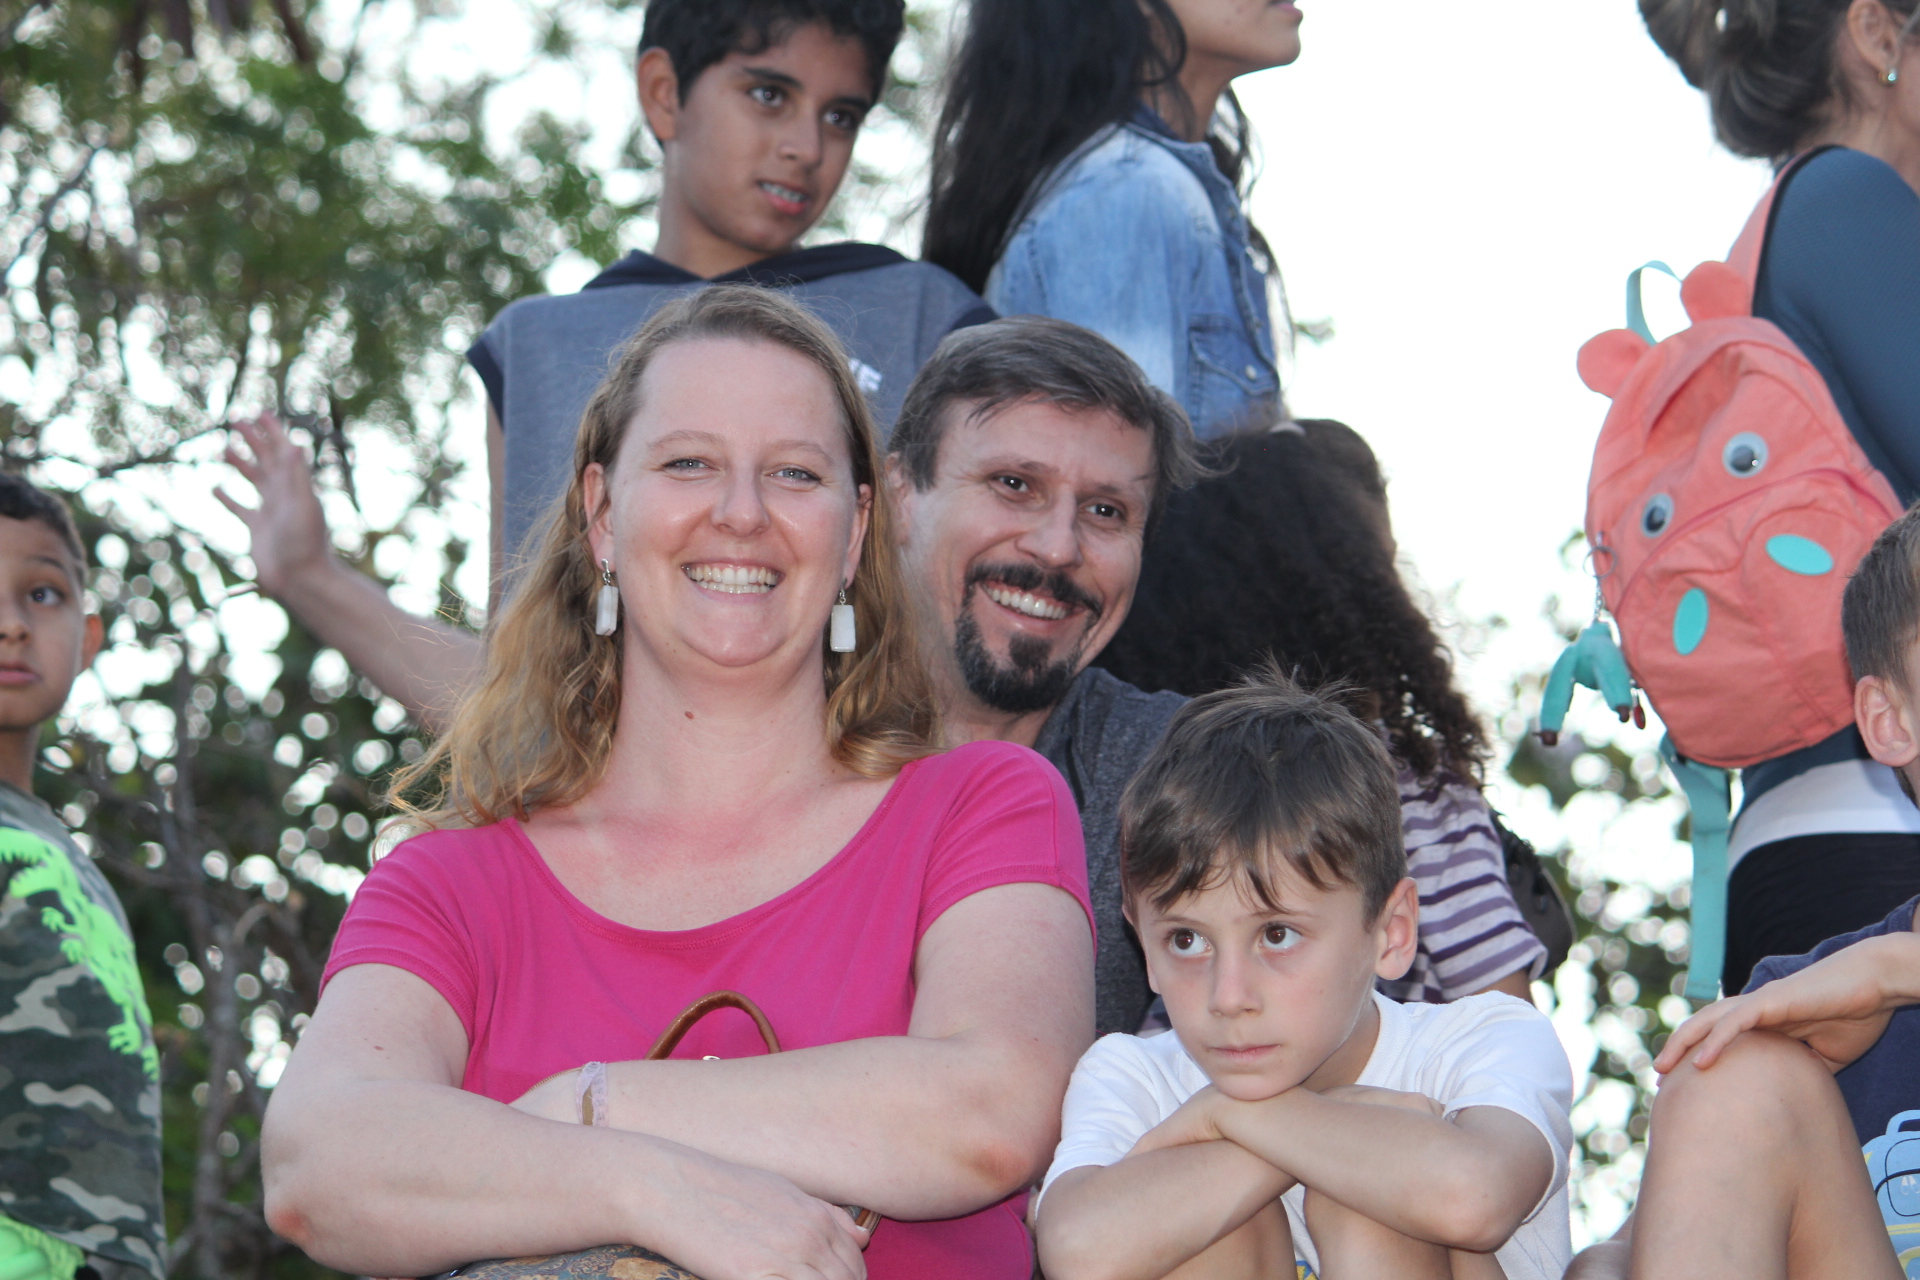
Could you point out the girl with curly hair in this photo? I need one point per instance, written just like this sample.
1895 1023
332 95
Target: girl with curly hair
1289 552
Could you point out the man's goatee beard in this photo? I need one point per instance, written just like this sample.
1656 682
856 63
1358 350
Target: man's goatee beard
1030 683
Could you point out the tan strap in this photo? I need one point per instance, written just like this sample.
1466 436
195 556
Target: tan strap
590 1095
671 1037
865 1219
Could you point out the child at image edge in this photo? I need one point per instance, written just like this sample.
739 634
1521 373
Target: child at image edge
79 1077
1295 1122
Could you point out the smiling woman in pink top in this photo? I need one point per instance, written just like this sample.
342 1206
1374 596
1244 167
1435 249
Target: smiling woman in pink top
706 798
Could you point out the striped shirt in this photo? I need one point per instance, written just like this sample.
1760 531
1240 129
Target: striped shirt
1471 931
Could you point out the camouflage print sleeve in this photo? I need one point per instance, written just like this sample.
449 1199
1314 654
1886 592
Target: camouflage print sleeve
79 1078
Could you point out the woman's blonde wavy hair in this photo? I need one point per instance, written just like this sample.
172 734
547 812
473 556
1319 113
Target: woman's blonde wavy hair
537 730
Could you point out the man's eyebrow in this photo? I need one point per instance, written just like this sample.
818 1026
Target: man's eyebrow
1119 491
990 466
773 76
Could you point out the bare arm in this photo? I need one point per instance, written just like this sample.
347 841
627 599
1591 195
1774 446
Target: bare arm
422 662
1838 1006
376 1162
1515 984
1466 1183
961 1111
1143 1216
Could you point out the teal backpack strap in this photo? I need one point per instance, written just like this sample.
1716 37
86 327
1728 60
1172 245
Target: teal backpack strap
1636 310
1710 803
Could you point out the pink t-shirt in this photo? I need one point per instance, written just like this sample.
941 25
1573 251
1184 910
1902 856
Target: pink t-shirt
542 983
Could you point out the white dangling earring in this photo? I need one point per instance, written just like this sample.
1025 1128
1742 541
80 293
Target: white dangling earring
607 616
840 626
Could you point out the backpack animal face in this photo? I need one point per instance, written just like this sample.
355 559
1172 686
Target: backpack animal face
1727 505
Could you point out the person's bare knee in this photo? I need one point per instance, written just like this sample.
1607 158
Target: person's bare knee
1752 1097
1754 1171
1258 1249
1353 1246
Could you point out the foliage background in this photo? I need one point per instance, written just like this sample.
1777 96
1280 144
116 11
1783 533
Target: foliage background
211 207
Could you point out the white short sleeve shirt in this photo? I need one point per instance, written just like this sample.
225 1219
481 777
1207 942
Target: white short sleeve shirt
1484 1051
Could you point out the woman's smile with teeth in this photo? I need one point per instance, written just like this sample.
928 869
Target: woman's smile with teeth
788 194
734 579
1028 603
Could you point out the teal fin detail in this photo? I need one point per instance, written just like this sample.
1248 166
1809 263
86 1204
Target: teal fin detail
1800 555
1690 621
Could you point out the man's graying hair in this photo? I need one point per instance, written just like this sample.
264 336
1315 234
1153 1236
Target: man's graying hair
990 366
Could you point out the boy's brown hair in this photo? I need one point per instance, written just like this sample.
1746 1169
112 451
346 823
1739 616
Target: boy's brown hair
20 499
1259 771
1880 612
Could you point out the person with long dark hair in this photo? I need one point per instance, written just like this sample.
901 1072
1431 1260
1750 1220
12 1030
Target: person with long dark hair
1092 164
1289 554
1829 91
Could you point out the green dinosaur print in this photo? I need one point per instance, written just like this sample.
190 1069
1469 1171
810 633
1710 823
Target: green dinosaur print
89 934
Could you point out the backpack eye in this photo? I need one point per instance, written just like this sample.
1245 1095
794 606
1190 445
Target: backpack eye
1744 455
1657 515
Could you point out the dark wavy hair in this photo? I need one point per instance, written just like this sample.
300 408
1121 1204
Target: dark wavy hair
1288 553
1767 66
698 33
1032 81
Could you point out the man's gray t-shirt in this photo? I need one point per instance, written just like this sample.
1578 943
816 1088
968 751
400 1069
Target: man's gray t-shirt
1098 737
542 358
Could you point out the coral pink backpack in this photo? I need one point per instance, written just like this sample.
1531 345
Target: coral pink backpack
1727 505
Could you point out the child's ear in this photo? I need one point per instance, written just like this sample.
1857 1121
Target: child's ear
91 640
1397 931
659 90
1884 713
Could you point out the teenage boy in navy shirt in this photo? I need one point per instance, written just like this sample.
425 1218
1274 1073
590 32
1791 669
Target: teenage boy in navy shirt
1772 1098
756 105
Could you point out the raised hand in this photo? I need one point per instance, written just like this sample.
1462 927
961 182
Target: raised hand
288 528
1838 1007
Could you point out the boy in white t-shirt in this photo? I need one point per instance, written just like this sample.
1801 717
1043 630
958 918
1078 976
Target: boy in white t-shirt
1294 1114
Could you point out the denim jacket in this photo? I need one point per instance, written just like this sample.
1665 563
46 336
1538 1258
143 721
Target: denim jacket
1140 237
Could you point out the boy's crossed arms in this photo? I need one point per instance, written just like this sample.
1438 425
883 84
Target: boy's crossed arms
1393 1187
1293 1112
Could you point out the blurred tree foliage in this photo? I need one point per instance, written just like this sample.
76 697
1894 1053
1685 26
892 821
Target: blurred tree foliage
1618 995
205 208
1625 972
208 208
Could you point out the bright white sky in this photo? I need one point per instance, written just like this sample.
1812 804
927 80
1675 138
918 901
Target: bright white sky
1462 191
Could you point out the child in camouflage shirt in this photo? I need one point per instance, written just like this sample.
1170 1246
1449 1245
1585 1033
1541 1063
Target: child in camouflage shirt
79 1079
